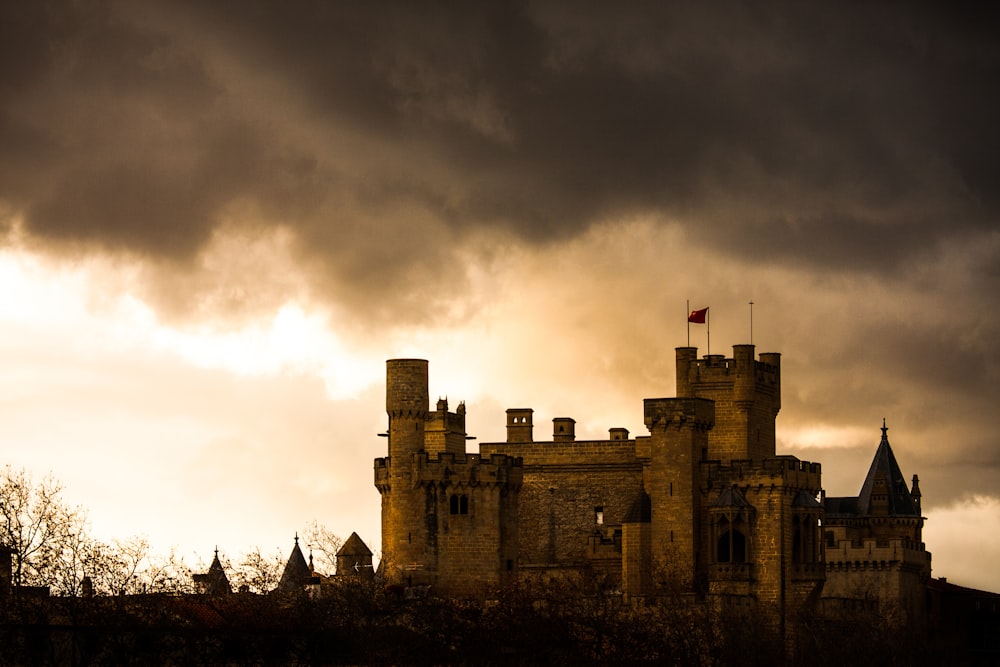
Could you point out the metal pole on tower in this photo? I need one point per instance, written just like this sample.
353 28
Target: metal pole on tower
751 322
687 317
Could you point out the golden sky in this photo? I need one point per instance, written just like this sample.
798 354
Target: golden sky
216 226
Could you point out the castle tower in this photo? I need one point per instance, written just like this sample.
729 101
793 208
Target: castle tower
747 395
679 430
354 558
449 518
404 512
873 542
444 430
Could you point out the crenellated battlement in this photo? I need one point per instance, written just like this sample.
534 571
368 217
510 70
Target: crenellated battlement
449 469
742 371
694 413
873 554
788 471
747 396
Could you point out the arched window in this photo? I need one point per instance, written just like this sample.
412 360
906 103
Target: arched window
731 546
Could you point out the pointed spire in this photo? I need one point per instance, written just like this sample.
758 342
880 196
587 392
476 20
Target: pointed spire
297 572
215 581
884 490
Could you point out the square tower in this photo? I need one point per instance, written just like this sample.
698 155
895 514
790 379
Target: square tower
747 395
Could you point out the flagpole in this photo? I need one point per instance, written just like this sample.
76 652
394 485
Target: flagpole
687 316
751 322
708 332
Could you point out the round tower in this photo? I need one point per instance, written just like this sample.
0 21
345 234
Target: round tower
404 505
407 403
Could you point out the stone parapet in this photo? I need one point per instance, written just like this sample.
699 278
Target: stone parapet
451 469
697 413
876 554
578 452
788 471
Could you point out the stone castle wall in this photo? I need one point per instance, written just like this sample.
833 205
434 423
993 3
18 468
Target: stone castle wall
568 487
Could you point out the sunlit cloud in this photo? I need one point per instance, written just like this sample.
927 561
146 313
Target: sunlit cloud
957 536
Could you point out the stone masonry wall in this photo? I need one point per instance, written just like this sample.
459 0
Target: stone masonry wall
564 484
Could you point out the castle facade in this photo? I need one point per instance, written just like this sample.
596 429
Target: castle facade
701 504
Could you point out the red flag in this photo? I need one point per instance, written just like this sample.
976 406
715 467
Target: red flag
698 316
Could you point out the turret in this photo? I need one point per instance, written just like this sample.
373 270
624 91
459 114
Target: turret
406 402
678 433
747 394
404 509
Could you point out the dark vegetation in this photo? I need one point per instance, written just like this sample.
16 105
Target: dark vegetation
72 600
357 622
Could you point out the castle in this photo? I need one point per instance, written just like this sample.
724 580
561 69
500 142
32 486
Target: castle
701 504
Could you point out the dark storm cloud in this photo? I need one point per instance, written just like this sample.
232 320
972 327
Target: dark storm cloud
841 135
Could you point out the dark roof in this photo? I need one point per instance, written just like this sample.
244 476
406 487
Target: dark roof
354 546
841 506
731 497
215 581
641 510
806 499
296 573
885 469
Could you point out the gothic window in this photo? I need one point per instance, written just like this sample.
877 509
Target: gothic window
459 504
804 538
599 515
731 546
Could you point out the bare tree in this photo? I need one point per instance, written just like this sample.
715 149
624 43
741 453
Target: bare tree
119 568
46 535
256 573
323 546
168 574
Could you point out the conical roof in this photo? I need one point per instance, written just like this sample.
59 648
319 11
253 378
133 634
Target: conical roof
297 572
885 470
354 546
215 581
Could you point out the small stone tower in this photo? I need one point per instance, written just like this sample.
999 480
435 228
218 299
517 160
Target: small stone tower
678 433
747 395
449 518
354 559
874 542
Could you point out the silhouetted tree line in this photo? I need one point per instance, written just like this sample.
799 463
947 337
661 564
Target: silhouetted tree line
142 610
51 547
357 621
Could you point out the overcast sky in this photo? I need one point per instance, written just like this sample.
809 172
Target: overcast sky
219 219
